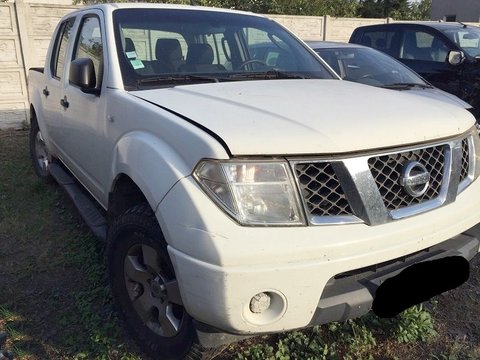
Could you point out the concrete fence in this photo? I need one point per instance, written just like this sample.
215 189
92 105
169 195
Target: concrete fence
25 31
26 27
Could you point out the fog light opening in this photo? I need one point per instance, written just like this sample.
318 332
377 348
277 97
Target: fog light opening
266 307
260 303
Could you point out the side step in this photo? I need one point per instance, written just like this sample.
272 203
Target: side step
87 209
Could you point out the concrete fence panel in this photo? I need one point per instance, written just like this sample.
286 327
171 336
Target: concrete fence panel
340 29
13 87
305 27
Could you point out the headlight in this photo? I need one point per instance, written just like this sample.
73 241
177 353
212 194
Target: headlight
254 193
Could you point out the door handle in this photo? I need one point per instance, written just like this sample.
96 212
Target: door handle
64 102
46 92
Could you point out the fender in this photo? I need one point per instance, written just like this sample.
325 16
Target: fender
152 164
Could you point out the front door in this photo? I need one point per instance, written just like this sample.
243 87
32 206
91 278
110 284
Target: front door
84 114
426 53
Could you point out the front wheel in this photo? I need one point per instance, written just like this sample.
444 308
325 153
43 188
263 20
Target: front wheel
145 288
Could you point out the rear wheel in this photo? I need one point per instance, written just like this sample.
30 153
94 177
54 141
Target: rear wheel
145 288
38 152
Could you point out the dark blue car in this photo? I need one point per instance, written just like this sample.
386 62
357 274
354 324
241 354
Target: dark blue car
446 54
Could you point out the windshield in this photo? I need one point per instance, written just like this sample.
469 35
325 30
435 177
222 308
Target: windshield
169 47
467 38
368 66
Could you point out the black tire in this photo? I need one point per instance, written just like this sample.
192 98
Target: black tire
39 153
133 238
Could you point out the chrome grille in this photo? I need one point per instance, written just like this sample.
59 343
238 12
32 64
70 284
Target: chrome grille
387 169
321 190
465 160
366 188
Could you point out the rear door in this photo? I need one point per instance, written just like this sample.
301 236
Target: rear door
53 89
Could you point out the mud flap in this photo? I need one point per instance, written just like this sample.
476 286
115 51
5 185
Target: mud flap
418 283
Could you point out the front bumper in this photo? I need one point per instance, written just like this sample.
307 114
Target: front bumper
221 265
347 296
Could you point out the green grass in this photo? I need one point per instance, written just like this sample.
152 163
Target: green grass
55 302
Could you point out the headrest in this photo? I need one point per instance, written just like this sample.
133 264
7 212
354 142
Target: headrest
381 43
129 45
200 54
366 40
168 49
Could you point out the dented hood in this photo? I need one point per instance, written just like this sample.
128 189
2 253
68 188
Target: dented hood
286 117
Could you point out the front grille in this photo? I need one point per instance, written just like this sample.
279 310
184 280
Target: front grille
368 187
387 169
465 160
321 190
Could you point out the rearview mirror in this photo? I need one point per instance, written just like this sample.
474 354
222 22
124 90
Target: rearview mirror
82 74
455 57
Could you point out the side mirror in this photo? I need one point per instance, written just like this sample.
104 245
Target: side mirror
455 58
82 74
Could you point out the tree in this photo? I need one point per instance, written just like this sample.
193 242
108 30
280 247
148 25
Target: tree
397 9
420 10
370 9
346 8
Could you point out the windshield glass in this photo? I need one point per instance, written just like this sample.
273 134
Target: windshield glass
368 66
467 38
168 47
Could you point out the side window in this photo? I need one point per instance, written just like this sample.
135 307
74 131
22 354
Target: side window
423 46
381 40
57 63
268 49
89 45
221 53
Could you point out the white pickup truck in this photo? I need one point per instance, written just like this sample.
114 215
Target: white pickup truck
242 187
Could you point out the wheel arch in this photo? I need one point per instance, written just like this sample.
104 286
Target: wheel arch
32 115
144 169
123 195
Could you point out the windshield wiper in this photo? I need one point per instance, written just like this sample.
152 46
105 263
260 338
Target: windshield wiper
406 86
267 75
184 78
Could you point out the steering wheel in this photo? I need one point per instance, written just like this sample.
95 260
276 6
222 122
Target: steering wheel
251 61
366 76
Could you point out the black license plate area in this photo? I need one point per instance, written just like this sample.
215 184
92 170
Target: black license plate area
418 283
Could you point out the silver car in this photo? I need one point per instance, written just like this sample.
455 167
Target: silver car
368 66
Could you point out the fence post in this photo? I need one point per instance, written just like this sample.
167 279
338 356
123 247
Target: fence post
21 14
326 27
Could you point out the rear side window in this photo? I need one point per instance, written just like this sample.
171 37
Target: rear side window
57 63
381 40
89 45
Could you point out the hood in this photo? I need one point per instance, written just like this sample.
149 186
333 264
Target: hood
442 96
287 117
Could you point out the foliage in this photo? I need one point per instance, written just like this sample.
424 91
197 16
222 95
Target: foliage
398 9
55 300
301 345
415 324
349 340
420 10
355 337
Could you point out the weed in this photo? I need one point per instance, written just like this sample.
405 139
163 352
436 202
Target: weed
414 324
295 345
